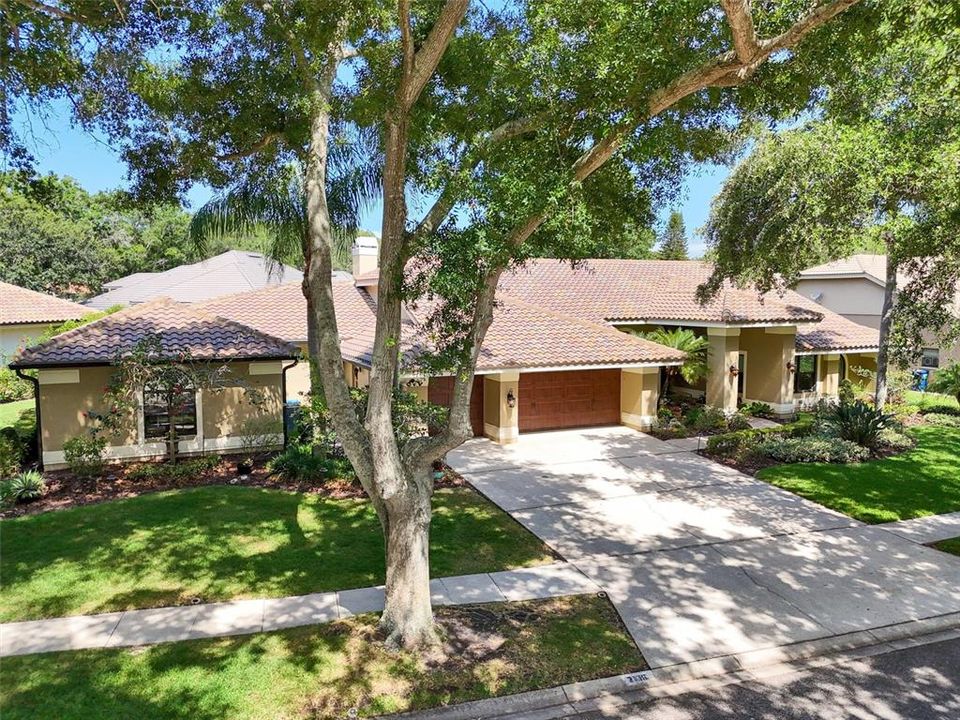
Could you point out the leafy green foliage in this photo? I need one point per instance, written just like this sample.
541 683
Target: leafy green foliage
694 367
891 439
942 419
859 422
299 463
174 472
12 387
947 380
22 487
757 409
941 410
813 449
11 454
673 243
84 455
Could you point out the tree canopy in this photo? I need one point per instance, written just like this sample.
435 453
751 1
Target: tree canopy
673 243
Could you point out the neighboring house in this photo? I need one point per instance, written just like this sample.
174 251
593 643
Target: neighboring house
230 272
25 315
75 368
854 288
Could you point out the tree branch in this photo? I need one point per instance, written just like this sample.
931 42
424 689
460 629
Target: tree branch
426 59
744 34
256 147
53 10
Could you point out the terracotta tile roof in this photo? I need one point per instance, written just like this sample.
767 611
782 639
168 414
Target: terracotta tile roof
644 290
19 306
525 336
182 329
834 333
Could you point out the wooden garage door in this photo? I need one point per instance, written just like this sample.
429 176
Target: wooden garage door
576 398
439 390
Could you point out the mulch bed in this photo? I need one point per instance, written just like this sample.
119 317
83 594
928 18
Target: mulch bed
748 467
65 490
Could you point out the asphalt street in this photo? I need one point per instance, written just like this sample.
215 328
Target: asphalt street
919 683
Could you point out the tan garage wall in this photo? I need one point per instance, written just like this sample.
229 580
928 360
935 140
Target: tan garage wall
639 388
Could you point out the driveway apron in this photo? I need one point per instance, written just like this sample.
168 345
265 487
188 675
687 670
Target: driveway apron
700 560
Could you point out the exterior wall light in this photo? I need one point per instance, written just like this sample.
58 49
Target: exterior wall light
734 370
790 366
511 399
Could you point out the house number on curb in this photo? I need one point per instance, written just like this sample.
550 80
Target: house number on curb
638 678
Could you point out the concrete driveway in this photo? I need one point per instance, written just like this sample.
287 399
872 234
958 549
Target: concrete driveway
700 560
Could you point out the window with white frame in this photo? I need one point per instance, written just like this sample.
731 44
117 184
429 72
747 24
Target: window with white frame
930 358
805 375
162 406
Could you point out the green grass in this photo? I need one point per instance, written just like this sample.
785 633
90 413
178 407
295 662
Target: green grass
926 399
10 412
320 671
218 543
951 546
924 481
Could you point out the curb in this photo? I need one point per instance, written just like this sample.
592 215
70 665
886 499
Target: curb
604 693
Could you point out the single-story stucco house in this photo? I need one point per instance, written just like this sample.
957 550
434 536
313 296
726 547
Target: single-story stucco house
25 315
554 357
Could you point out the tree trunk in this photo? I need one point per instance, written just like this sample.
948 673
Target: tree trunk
408 613
886 320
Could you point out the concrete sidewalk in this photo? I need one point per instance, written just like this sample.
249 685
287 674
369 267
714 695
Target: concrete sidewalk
242 617
703 562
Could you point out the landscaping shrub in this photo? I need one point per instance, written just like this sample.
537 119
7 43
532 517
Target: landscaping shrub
299 463
84 455
858 422
940 410
757 409
738 421
165 471
23 487
703 419
812 449
846 392
942 419
730 444
11 453
893 440
13 387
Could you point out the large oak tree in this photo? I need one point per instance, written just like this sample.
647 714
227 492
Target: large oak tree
547 128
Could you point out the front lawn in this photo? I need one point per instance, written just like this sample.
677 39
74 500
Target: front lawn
10 412
218 543
927 399
324 671
923 481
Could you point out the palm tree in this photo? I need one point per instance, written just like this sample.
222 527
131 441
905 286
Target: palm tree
947 381
275 204
694 367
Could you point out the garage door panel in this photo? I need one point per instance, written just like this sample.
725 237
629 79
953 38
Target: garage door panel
576 398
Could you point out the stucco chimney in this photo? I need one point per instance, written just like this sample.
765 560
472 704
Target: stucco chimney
365 250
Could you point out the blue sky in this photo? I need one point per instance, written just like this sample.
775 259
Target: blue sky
61 148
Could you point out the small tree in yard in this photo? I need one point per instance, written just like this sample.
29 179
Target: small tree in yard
534 130
146 368
947 381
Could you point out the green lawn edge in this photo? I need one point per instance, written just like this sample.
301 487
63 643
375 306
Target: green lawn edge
923 481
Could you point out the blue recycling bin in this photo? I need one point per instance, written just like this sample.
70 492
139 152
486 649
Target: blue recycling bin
921 378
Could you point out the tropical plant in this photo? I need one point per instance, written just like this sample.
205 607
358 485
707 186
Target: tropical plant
694 367
299 463
23 487
757 409
947 380
858 422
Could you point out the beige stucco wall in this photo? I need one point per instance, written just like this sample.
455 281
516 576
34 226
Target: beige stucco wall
639 388
501 422
721 355
14 337
767 351
68 395
357 376
867 361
